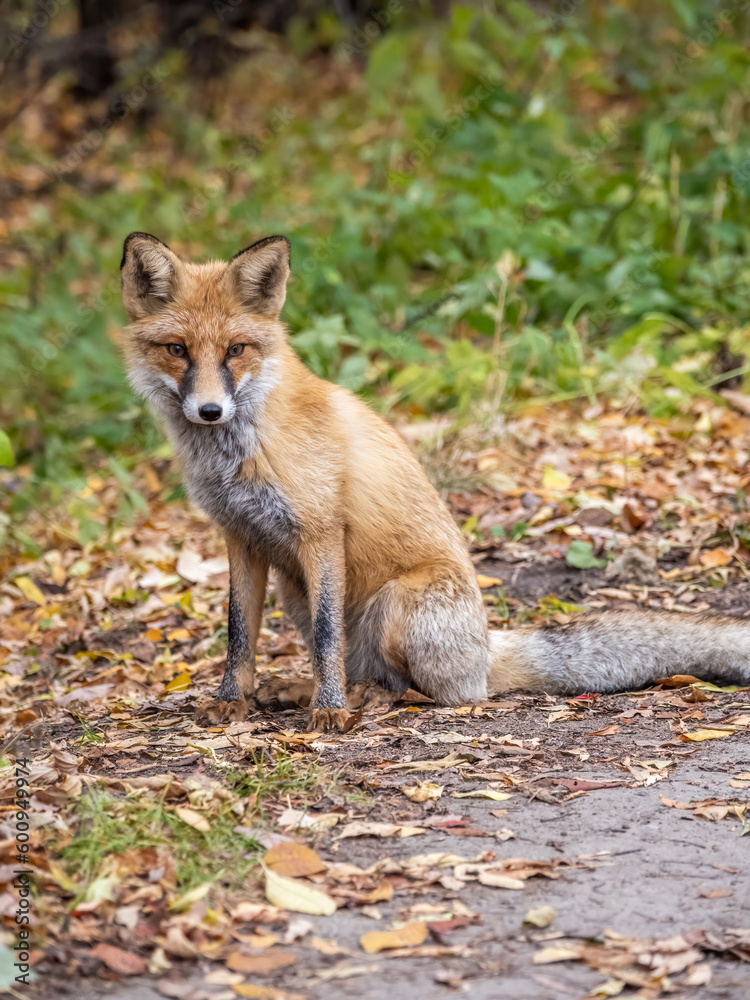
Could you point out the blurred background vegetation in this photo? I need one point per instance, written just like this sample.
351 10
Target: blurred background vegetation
489 204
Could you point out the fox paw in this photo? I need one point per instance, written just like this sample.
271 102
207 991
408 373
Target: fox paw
211 711
324 719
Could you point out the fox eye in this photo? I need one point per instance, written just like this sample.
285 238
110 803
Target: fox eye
235 350
176 350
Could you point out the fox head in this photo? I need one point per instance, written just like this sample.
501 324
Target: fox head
202 336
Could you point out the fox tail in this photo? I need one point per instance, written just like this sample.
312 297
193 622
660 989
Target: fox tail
619 651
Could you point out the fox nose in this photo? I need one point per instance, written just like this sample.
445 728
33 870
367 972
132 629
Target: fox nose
210 411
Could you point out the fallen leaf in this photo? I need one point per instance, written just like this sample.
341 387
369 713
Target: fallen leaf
715 894
584 785
290 894
498 881
410 934
265 992
715 557
293 859
556 953
423 792
488 581
362 828
123 962
452 760
542 916
705 734
193 818
292 819
178 635
193 568
261 965
554 479
607 731
30 590
179 683
483 793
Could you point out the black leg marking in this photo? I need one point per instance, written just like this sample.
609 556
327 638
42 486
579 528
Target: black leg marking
326 636
238 651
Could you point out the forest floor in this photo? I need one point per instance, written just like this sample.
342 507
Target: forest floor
531 847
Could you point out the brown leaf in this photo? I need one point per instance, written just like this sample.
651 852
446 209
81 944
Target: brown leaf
260 965
583 785
125 963
293 859
607 731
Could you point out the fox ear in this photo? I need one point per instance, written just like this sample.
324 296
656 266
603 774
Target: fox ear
259 275
149 272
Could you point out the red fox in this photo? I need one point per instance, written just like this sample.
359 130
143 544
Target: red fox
305 479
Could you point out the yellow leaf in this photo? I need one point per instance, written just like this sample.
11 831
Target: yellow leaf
409 934
488 581
705 734
715 557
30 590
178 634
423 792
612 988
153 634
179 683
483 793
192 818
540 917
289 894
183 903
381 893
555 480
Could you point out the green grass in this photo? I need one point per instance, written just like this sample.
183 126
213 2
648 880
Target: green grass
274 777
106 826
497 207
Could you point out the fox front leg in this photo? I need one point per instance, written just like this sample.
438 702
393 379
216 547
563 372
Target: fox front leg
247 593
326 583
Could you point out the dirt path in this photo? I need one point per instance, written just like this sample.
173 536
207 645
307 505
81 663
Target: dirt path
648 870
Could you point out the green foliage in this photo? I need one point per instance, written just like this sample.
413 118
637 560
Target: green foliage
581 555
107 826
6 449
501 206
